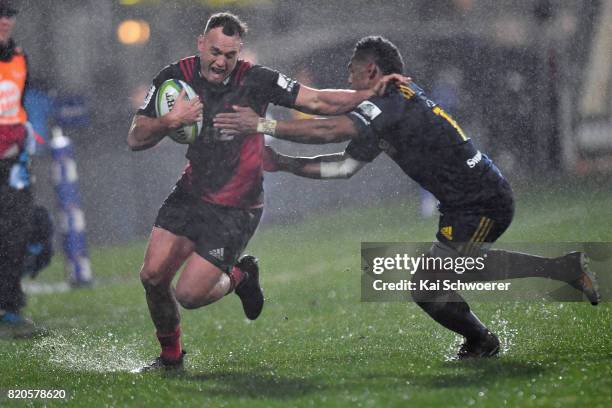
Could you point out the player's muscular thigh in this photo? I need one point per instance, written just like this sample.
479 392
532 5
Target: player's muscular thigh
165 255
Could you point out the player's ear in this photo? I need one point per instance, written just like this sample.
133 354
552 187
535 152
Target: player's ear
201 40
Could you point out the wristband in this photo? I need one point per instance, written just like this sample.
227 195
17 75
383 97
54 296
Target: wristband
267 126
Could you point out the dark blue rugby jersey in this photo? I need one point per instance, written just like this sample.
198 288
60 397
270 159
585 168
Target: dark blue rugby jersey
226 170
429 147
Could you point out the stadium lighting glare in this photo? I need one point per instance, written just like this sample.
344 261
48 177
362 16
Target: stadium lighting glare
132 32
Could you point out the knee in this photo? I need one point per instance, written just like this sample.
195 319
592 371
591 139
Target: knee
189 299
152 277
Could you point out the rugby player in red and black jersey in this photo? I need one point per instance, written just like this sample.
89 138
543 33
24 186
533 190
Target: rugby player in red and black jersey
215 207
476 201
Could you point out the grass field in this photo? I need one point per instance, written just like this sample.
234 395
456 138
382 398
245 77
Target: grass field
316 344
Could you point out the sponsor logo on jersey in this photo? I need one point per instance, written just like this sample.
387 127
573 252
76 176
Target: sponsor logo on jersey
285 82
10 100
369 110
216 253
148 97
474 160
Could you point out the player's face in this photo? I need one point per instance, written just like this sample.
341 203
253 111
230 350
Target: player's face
6 27
359 75
218 54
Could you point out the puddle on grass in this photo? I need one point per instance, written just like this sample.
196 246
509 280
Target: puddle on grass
81 351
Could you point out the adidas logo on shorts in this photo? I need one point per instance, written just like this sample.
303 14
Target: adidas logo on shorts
217 253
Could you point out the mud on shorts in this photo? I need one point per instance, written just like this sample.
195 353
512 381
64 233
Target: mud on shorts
220 233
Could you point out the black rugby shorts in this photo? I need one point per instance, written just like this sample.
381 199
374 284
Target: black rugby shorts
220 233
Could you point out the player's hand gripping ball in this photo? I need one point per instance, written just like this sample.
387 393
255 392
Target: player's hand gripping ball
166 98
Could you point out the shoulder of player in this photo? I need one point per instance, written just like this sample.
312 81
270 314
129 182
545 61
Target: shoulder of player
386 106
250 70
397 97
262 72
383 103
258 75
183 69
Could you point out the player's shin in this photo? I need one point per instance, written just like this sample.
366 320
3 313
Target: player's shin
163 308
170 344
450 310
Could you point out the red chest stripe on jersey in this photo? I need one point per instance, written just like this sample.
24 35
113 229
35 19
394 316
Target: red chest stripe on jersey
242 68
187 66
244 188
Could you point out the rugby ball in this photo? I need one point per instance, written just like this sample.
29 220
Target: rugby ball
166 97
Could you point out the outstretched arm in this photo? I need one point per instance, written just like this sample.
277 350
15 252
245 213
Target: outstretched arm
337 101
245 121
329 166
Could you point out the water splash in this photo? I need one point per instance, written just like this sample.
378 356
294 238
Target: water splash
81 351
504 331
499 326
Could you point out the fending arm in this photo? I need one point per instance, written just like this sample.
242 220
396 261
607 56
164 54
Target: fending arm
245 121
338 101
328 166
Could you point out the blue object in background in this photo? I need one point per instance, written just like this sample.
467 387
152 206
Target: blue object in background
39 107
71 111
72 219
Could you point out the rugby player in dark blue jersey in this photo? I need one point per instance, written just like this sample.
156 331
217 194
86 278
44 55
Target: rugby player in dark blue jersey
476 201
215 207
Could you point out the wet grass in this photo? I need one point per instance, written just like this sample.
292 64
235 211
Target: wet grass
316 344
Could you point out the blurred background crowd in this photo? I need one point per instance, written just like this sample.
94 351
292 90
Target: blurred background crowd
529 80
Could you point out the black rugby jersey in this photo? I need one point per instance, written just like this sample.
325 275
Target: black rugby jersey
429 146
226 170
